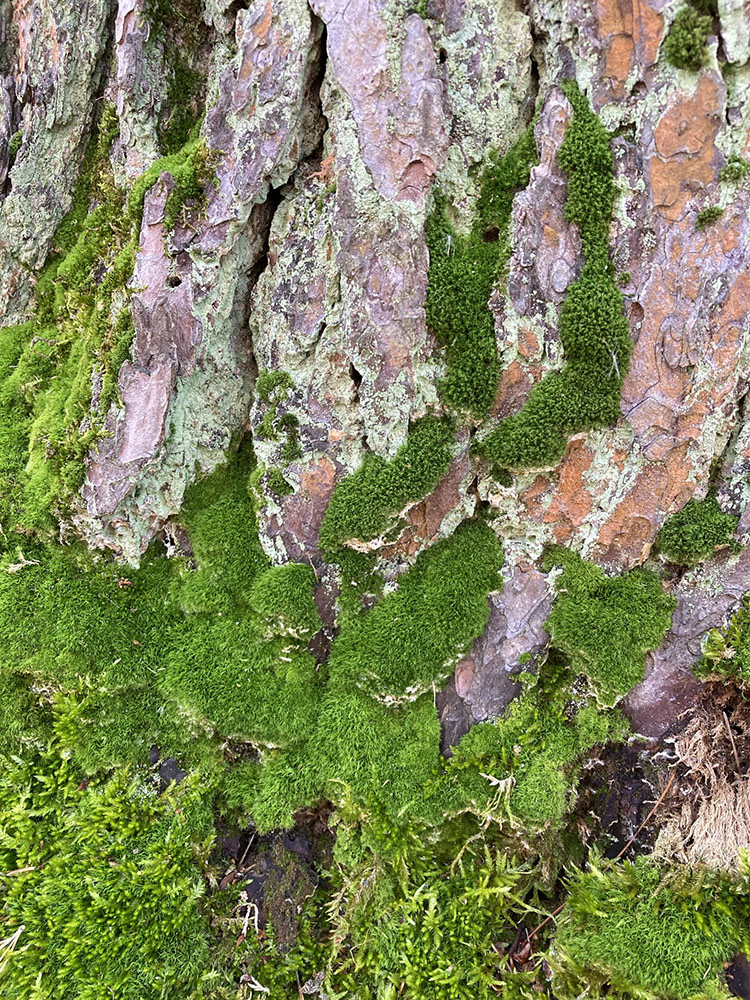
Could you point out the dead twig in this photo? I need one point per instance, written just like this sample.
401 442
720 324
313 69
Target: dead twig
731 740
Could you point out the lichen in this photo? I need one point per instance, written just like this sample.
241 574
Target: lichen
726 651
594 333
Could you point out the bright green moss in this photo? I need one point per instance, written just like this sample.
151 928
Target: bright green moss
707 216
694 532
433 933
463 272
191 172
109 888
686 43
373 731
593 330
726 651
648 930
525 765
272 389
413 637
283 598
367 504
606 625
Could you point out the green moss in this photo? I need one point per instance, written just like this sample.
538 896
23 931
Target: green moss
624 279
694 532
648 930
606 625
686 43
367 504
707 216
525 765
13 146
593 330
191 171
735 170
107 899
273 386
464 270
413 637
277 484
283 598
726 651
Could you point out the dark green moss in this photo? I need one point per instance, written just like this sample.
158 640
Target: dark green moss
606 625
646 929
707 216
735 170
277 484
464 270
367 504
13 146
686 43
694 532
594 333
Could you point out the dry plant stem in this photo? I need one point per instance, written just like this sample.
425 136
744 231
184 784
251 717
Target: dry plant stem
731 740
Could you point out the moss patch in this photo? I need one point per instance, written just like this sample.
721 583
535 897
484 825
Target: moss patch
686 44
367 504
694 532
593 330
648 930
606 625
463 272
106 893
707 216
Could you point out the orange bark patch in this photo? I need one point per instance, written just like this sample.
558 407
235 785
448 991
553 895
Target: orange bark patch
685 155
631 32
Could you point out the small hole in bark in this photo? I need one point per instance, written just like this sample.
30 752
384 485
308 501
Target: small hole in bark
636 312
355 376
491 234
442 56
174 281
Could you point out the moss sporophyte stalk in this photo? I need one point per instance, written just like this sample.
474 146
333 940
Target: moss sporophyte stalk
594 333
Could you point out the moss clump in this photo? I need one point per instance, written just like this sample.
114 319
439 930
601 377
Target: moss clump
707 216
694 532
463 272
105 885
374 729
593 330
432 932
191 170
606 625
726 651
272 389
412 638
277 484
735 170
647 930
686 44
525 765
367 504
